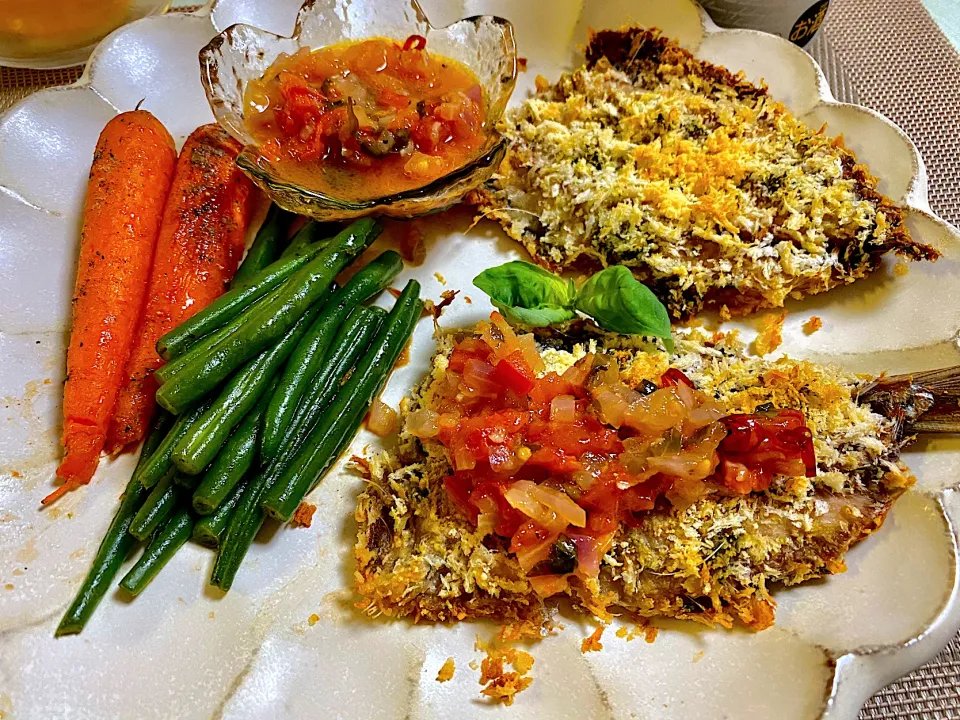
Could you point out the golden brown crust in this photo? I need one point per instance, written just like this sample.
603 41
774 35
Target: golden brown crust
713 562
721 172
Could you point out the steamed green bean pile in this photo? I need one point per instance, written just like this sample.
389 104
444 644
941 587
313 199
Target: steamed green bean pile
262 391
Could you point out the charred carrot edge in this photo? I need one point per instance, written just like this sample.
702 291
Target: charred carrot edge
201 241
129 182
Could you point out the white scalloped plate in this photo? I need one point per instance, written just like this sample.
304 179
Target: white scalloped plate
182 651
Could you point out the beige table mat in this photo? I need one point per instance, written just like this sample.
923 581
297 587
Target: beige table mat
888 55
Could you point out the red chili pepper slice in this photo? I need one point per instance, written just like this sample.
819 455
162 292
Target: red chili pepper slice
673 377
757 447
415 42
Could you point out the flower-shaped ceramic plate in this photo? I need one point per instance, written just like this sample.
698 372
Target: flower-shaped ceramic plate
286 641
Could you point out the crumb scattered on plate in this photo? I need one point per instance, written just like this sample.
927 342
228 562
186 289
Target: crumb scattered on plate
771 333
446 671
698 656
812 325
303 515
436 308
313 619
501 684
440 278
592 642
410 243
901 268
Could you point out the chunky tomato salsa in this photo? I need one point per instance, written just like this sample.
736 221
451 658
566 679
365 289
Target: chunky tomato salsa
369 118
555 463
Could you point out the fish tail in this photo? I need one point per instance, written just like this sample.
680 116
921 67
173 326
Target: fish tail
920 402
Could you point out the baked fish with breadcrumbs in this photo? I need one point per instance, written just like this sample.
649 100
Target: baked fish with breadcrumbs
687 484
711 191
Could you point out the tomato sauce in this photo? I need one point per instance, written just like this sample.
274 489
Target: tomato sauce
369 118
557 463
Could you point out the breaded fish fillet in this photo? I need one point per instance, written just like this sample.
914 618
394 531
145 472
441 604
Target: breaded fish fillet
714 561
712 192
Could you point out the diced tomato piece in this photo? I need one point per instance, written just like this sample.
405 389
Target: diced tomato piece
759 446
391 98
465 350
550 386
514 373
673 377
554 461
460 487
509 518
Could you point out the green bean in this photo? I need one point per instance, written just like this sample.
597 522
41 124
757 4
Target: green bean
268 322
184 480
232 463
228 306
308 356
157 507
342 419
198 447
149 471
158 553
117 541
210 342
209 529
245 522
312 233
266 245
353 338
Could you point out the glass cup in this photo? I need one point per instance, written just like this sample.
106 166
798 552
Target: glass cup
58 33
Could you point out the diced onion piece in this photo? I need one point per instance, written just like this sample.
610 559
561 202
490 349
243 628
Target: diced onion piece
656 413
612 406
547 585
702 416
696 461
382 419
548 507
510 340
529 555
686 466
563 409
590 550
505 460
463 459
528 346
423 423
578 373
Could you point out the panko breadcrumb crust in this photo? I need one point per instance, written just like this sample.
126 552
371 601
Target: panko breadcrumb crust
715 561
713 193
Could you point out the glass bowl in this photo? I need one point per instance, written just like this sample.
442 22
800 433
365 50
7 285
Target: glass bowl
46 34
242 53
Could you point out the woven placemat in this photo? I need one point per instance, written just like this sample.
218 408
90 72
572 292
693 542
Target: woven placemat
885 54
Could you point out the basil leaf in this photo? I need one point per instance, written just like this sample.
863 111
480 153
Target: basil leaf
528 294
622 304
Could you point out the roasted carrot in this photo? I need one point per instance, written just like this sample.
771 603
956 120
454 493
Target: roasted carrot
201 241
129 182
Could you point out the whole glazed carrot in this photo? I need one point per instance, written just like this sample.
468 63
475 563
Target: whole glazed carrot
201 241
129 181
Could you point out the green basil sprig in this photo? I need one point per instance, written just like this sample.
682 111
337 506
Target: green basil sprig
528 294
614 298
